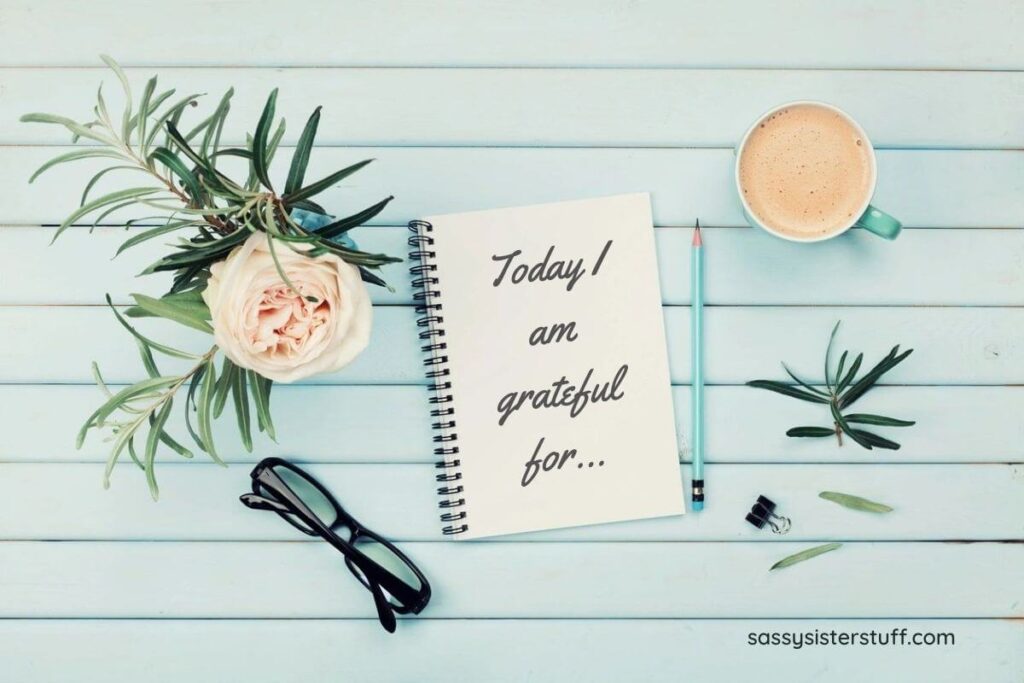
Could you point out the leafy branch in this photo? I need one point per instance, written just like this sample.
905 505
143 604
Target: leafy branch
184 192
188 190
842 389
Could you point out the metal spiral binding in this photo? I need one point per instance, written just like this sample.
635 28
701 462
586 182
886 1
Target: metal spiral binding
429 319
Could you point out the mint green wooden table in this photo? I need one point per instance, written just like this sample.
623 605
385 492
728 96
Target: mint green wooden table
483 104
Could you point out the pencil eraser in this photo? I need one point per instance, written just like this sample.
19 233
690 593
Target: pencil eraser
697 505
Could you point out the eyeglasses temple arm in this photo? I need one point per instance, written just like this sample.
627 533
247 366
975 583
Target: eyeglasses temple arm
255 502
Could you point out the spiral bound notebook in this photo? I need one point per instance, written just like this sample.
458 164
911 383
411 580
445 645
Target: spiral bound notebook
546 356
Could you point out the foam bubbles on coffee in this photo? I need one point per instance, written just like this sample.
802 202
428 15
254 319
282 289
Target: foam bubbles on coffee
805 171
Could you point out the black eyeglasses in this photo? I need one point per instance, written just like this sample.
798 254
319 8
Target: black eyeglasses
396 583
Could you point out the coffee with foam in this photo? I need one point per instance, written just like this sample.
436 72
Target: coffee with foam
806 172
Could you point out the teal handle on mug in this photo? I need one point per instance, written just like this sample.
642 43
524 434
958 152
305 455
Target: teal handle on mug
880 223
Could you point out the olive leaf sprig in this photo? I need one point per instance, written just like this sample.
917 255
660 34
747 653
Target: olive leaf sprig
842 389
179 177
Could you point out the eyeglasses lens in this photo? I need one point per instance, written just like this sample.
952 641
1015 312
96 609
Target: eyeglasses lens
310 495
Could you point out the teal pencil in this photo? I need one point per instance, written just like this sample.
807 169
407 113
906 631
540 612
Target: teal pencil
697 363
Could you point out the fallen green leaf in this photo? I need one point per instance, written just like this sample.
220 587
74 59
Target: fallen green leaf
805 555
854 502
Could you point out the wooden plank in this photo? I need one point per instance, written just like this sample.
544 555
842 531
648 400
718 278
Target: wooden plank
952 345
511 650
979 267
377 424
542 107
790 33
982 267
199 501
514 580
924 188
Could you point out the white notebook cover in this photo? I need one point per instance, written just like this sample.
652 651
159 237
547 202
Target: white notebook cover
616 459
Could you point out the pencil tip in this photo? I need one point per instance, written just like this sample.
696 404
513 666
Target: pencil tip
696 235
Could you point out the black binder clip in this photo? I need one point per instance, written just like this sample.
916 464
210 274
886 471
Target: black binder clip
763 514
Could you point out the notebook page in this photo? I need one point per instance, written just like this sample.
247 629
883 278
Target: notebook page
559 370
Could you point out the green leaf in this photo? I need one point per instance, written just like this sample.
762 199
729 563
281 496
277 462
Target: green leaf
175 165
357 258
186 149
851 374
367 276
75 155
812 432
233 152
828 355
874 440
125 437
854 502
171 310
211 140
240 397
308 205
802 383
275 140
190 403
173 444
838 417
224 384
152 439
109 210
122 396
259 144
205 406
135 456
147 359
786 390
277 264
152 233
805 555
98 378
96 178
166 350
261 397
879 420
105 200
78 129
127 117
300 158
342 226
191 299
170 115
319 186
839 369
868 381
142 118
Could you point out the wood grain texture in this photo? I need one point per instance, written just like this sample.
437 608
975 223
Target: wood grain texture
200 502
873 33
924 188
380 424
617 96
952 345
580 649
514 580
980 266
543 107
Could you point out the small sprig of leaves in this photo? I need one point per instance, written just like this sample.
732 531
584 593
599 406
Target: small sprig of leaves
842 389
184 189
189 192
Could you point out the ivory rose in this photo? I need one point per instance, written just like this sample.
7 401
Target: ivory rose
262 324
